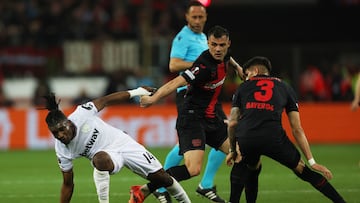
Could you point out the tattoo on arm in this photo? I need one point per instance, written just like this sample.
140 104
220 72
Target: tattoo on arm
234 118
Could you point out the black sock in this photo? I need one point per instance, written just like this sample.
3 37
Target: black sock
238 178
320 183
152 187
251 186
179 172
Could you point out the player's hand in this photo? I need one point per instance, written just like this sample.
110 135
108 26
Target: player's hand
355 105
233 157
322 169
230 157
241 74
145 101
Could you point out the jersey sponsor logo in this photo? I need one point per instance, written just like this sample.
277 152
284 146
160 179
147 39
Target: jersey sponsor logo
90 144
214 85
87 106
259 105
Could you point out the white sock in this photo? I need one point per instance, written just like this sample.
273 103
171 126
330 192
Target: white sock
178 192
102 184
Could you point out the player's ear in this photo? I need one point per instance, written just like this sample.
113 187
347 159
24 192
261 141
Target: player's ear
257 70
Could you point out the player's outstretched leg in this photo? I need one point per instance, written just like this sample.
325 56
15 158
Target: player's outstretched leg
206 187
172 159
319 182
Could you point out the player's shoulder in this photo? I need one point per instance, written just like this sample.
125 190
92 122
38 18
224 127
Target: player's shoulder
83 112
59 147
204 59
206 56
88 107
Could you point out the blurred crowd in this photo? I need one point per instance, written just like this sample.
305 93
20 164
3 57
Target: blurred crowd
46 24
335 83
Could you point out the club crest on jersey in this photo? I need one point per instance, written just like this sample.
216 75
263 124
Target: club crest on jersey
196 142
85 128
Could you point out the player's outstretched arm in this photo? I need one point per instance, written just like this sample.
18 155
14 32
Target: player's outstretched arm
119 97
163 91
301 140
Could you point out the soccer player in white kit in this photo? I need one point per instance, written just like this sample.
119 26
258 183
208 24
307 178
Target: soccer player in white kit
84 134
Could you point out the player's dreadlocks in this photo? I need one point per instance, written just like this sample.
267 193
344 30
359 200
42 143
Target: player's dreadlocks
55 115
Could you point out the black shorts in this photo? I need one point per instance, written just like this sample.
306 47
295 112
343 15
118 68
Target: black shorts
195 132
271 142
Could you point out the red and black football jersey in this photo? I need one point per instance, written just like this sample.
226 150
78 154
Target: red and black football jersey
205 80
261 101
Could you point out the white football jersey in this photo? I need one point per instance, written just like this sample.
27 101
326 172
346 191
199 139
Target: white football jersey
92 135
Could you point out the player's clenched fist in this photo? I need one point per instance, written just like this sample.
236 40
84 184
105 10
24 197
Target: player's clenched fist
146 101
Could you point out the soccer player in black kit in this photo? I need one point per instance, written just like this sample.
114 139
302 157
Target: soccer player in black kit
255 129
198 121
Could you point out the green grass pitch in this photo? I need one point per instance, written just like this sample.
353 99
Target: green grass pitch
34 177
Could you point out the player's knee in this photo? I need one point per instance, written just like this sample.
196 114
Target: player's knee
194 170
300 167
160 179
303 172
102 161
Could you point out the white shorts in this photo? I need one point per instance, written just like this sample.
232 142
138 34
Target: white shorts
136 158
